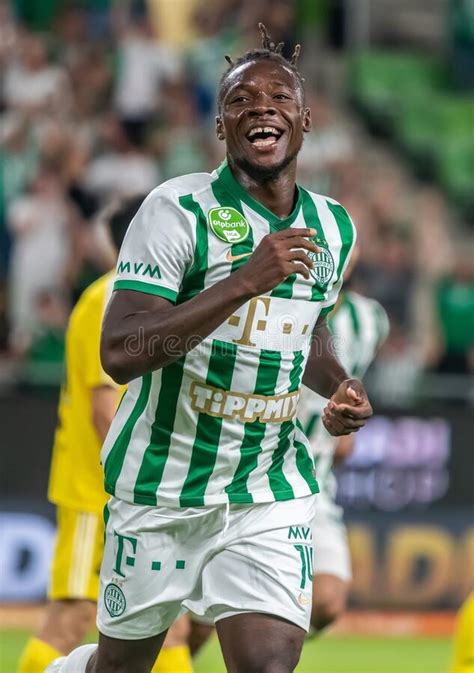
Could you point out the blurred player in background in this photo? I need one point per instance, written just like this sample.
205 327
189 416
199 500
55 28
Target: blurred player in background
464 639
88 401
359 326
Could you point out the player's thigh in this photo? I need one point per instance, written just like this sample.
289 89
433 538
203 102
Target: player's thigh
256 643
77 555
125 656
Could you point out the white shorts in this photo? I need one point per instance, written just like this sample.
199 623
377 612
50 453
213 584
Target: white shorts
215 561
331 550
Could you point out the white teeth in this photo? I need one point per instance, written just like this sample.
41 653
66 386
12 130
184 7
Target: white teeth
263 129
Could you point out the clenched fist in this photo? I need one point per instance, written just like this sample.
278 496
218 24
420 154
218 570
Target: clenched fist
348 409
277 257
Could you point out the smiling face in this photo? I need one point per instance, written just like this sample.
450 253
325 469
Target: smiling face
262 117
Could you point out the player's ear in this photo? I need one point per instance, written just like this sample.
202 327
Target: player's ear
220 128
307 122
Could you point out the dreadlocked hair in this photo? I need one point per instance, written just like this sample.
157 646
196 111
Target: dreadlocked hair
269 50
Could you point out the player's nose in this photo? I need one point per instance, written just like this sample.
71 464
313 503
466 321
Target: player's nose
262 104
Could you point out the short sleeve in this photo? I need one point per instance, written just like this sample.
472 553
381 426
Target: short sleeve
157 249
348 235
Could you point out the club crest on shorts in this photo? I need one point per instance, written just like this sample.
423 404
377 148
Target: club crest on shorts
228 224
114 600
324 266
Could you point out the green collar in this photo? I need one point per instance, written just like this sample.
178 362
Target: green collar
236 190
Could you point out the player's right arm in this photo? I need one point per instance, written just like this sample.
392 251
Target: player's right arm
143 330
104 406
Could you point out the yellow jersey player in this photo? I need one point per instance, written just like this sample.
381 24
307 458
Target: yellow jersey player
87 405
464 639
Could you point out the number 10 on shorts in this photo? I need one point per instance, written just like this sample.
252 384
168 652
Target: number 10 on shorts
306 555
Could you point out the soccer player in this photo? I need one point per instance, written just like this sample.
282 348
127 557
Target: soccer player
360 326
464 639
87 405
222 280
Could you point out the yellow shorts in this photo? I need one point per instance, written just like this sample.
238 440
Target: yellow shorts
77 555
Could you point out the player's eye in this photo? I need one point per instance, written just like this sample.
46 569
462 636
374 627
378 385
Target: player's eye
281 96
239 99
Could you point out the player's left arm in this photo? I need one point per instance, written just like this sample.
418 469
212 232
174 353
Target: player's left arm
348 408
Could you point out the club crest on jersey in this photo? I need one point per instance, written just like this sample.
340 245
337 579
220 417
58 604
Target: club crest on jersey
228 224
324 266
114 600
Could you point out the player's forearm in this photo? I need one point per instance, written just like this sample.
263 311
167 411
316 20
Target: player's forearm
104 404
102 424
324 373
144 341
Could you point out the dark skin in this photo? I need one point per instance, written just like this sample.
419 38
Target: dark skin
259 93
264 94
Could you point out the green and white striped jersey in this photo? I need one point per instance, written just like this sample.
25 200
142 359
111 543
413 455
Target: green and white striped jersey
359 325
218 425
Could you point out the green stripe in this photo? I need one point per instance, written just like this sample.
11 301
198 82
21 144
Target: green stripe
156 454
208 430
312 219
300 548
297 371
305 466
346 230
309 559
311 425
194 278
326 311
250 449
356 369
147 288
279 485
114 461
106 514
285 289
353 315
225 198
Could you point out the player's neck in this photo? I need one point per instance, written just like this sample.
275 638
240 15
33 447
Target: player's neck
277 194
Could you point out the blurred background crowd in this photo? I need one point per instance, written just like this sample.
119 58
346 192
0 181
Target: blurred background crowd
100 98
